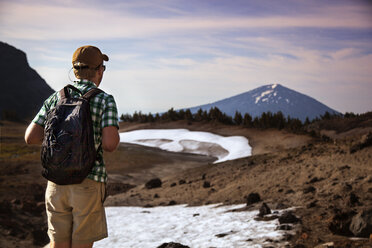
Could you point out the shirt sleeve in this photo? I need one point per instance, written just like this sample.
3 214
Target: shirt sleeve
41 115
110 113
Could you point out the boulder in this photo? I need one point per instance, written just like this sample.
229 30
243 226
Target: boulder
312 204
353 199
253 198
153 183
206 184
288 217
181 182
172 245
315 180
309 189
361 223
285 227
340 223
264 210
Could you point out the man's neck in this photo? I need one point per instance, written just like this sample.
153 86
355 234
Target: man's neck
93 80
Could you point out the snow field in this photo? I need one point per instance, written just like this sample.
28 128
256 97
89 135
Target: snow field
183 140
191 226
196 227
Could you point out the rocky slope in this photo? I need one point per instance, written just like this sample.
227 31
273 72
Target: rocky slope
328 181
22 89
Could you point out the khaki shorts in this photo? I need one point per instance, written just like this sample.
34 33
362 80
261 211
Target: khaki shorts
75 212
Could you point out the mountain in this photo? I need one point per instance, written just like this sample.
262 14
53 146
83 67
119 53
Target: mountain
273 98
23 91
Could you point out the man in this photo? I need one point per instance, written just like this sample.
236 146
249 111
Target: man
76 216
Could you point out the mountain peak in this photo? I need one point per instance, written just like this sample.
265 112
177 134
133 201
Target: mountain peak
271 98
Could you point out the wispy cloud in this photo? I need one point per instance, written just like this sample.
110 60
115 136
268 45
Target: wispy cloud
183 53
40 22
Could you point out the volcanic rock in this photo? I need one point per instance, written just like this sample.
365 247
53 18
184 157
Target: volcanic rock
361 224
285 227
354 199
153 183
206 184
253 198
172 245
341 222
264 210
288 217
309 189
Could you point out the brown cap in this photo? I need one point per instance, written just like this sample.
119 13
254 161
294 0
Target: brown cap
89 55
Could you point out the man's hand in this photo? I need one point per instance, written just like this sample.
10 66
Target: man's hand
34 134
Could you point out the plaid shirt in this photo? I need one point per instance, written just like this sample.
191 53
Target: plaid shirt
104 114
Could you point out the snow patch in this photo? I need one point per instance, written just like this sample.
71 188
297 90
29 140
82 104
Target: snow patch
274 86
263 94
183 140
195 227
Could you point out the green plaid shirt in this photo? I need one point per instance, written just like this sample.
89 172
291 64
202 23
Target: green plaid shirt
104 114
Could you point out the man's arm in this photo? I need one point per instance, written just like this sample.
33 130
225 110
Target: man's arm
34 134
110 138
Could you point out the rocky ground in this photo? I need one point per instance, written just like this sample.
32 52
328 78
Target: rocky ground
328 180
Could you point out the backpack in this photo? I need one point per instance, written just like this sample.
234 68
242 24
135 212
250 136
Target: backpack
68 152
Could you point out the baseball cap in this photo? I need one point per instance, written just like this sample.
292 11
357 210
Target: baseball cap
90 56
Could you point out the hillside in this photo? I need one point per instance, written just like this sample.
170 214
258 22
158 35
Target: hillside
22 89
273 98
328 180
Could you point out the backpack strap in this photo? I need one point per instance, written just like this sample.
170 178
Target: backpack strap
64 92
91 93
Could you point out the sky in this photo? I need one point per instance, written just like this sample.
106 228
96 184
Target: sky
180 54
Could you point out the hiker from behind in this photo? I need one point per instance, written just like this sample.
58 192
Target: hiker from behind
75 125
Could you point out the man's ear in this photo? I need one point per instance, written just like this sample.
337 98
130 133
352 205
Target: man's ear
100 71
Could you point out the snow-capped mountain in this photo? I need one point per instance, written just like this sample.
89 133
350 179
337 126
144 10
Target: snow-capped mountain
273 98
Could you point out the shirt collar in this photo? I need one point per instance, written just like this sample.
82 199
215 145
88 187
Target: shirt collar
85 82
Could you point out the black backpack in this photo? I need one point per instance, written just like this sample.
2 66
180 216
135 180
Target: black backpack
68 152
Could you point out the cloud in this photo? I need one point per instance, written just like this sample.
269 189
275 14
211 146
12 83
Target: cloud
165 55
56 22
203 82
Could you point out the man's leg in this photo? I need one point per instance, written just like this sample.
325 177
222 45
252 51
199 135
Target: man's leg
60 245
68 245
89 220
83 245
59 214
